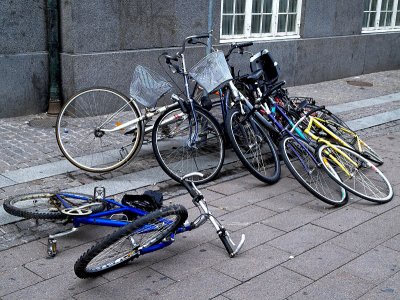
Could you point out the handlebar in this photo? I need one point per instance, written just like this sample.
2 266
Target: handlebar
238 46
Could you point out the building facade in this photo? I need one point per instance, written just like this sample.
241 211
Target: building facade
102 41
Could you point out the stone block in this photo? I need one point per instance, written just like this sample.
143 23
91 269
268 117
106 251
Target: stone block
24 84
278 283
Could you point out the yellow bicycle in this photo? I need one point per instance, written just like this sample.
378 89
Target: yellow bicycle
346 165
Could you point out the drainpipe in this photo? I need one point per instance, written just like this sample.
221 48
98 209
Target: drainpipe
210 23
54 57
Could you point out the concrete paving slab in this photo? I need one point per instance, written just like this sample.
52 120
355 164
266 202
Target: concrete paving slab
293 218
4 181
253 262
336 285
364 103
374 266
192 262
389 289
285 201
343 219
302 239
204 285
320 260
16 279
278 283
64 286
374 120
370 234
20 255
393 243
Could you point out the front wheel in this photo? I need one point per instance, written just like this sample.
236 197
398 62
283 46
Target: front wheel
129 242
85 130
179 151
357 174
253 146
306 168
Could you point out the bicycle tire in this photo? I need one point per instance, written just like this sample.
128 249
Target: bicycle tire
366 180
311 176
340 128
79 130
86 266
44 205
177 158
253 146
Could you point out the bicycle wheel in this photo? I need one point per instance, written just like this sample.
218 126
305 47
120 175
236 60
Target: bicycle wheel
177 155
46 205
130 241
309 174
253 146
82 125
343 131
363 178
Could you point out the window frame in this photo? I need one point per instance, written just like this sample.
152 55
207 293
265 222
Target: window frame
377 27
274 34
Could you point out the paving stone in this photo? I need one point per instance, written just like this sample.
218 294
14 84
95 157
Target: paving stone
371 233
255 234
244 217
393 243
375 265
204 285
389 289
302 239
60 287
253 262
338 285
138 284
236 185
191 262
278 283
61 264
285 201
320 260
15 279
21 255
293 218
343 219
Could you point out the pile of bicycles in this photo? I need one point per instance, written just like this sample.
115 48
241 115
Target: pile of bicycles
100 129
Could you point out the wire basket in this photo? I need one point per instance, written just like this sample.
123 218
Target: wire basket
211 71
147 86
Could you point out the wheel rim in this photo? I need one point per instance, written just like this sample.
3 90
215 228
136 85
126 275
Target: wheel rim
80 130
253 146
178 156
366 180
129 246
314 176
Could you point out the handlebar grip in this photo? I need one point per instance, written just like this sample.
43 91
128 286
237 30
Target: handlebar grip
242 45
201 36
226 243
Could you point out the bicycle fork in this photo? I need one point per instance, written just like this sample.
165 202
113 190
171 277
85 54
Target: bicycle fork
221 231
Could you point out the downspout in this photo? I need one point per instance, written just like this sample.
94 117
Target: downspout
210 23
53 47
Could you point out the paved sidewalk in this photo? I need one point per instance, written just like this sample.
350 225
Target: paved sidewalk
296 246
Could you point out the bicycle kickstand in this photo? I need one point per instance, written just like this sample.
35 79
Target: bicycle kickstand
52 242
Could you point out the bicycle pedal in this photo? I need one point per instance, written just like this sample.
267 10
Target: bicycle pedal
51 248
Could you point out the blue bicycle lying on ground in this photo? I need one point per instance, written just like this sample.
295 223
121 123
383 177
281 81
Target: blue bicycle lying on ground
145 224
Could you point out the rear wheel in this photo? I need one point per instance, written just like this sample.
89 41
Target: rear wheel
253 146
47 205
130 241
82 130
310 174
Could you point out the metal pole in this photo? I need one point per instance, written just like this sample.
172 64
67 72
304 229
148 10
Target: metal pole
210 23
54 60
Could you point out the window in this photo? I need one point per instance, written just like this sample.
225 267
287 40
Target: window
381 15
260 18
